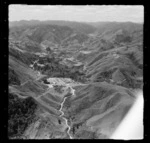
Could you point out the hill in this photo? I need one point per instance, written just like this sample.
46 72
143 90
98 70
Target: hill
77 80
82 27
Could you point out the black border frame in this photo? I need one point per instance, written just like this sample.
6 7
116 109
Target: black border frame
4 51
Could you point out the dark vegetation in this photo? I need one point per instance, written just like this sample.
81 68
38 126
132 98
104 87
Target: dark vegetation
21 113
53 68
129 82
45 81
13 78
122 38
104 75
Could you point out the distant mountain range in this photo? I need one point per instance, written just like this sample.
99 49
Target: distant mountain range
82 27
86 27
64 31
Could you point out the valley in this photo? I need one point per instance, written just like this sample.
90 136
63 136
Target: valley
71 80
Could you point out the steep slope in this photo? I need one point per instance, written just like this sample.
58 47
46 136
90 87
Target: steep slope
75 82
21 113
37 38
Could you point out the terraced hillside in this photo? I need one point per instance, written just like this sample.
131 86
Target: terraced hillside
72 80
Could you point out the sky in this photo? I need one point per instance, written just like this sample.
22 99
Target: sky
83 13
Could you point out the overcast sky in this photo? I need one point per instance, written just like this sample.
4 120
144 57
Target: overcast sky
77 13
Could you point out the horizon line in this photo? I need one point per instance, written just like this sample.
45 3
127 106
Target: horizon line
71 21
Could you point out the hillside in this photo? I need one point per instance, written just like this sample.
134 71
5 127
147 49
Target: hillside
77 80
82 27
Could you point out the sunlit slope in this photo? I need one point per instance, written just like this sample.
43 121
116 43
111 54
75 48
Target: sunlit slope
95 103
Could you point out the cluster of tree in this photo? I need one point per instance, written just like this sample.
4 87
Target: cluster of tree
123 38
129 81
20 115
13 78
104 75
53 68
